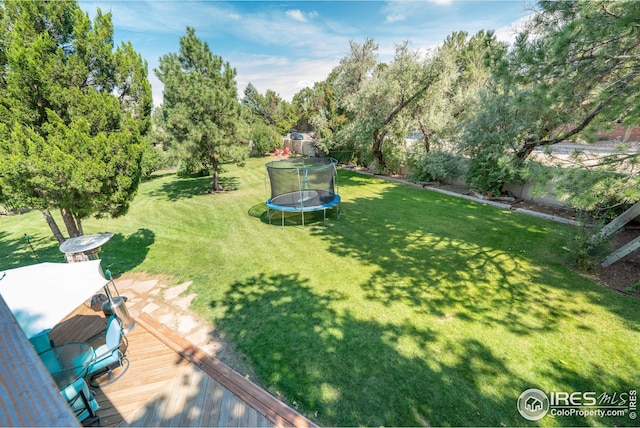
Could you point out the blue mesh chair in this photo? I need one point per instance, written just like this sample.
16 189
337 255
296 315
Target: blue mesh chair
82 402
109 358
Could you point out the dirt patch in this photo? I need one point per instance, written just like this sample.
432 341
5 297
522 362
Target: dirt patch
624 275
545 209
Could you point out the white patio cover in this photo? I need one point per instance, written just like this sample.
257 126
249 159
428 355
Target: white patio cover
41 295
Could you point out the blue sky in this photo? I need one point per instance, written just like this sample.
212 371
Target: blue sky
287 45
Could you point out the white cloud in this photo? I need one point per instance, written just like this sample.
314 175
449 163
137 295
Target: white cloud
305 84
143 16
276 47
300 45
156 89
286 78
296 15
390 19
428 51
509 32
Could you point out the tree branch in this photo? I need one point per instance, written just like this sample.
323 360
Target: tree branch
529 145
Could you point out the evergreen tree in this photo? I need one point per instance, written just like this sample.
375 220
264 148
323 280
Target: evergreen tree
573 71
201 107
253 102
576 69
73 112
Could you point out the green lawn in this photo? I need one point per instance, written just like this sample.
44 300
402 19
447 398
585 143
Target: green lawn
412 308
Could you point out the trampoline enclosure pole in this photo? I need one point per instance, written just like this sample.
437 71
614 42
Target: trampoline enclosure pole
300 195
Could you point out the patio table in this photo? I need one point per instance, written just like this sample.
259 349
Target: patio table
67 362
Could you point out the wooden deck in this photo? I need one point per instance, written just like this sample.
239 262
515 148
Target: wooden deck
171 382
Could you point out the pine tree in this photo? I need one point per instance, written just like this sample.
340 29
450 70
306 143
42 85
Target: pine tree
201 105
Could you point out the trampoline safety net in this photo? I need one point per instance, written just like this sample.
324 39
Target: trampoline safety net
302 184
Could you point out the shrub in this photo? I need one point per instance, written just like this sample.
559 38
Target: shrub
604 195
265 138
489 169
435 166
395 157
153 159
584 252
191 167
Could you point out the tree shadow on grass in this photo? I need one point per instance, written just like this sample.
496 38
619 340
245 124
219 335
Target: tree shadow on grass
158 174
495 273
451 257
345 371
609 391
124 253
190 187
120 254
16 253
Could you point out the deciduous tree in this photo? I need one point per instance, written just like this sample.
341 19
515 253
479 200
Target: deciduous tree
380 96
463 67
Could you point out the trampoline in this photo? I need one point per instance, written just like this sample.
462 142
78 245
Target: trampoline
302 185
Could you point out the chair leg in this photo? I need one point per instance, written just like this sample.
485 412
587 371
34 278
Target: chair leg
93 417
123 364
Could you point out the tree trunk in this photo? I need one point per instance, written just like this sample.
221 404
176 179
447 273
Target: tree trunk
215 184
53 226
70 223
426 135
380 133
378 139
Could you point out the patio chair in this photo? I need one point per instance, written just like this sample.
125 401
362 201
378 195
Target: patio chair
82 402
41 342
109 356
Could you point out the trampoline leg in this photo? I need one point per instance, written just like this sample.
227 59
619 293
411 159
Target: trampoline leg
283 219
302 218
324 217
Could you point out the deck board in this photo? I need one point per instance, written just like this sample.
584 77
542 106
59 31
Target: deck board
171 382
273 409
211 412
